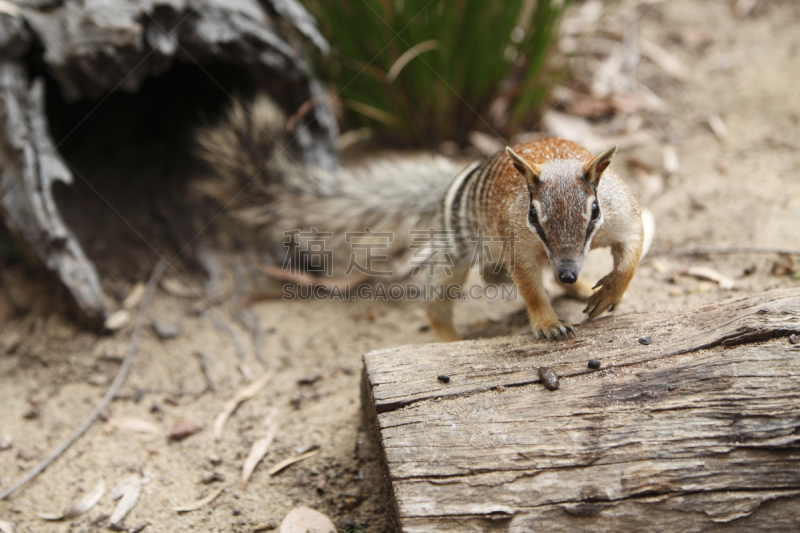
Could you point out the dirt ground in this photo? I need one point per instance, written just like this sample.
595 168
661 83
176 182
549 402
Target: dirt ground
743 192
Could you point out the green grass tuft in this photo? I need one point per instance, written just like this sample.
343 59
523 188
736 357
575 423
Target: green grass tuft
420 72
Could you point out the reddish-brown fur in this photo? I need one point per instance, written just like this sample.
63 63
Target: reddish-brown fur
562 179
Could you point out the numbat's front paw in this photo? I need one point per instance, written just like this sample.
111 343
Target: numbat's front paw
555 331
603 300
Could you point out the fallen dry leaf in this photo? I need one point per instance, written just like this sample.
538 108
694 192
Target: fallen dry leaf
701 272
127 492
290 461
670 162
117 320
178 288
183 429
786 265
718 127
241 395
663 59
743 8
6 527
132 423
199 504
306 520
652 182
135 296
488 145
257 452
88 501
571 127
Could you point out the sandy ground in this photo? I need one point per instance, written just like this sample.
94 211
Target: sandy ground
740 193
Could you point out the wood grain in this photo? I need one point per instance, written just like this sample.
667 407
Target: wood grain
698 431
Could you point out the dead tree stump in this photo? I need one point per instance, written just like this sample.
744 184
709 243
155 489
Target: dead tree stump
692 423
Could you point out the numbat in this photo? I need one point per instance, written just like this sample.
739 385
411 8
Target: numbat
543 202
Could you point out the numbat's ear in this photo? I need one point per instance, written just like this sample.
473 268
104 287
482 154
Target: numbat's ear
595 168
529 170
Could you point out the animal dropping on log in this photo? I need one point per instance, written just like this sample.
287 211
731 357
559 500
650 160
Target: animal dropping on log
548 377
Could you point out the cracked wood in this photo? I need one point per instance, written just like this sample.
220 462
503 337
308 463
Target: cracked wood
698 431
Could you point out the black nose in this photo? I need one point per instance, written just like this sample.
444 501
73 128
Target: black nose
567 276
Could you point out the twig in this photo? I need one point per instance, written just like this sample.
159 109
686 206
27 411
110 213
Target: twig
204 366
290 461
719 251
250 321
241 353
226 328
122 373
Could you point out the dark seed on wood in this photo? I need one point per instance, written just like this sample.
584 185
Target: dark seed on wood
594 364
646 341
444 379
548 377
424 327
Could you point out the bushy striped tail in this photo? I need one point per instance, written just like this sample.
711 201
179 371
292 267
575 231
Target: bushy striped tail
266 189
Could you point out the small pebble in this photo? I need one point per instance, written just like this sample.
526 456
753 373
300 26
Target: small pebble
794 339
444 379
26 454
6 442
548 377
183 429
594 364
166 330
310 379
646 341
212 477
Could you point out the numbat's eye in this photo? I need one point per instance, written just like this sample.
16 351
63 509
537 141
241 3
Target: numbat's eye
532 217
595 211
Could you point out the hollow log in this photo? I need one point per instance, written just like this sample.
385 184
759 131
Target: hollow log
691 423
93 49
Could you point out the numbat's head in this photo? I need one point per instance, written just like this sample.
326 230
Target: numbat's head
564 211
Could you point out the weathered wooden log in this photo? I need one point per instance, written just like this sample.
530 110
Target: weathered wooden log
92 49
29 166
699 430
